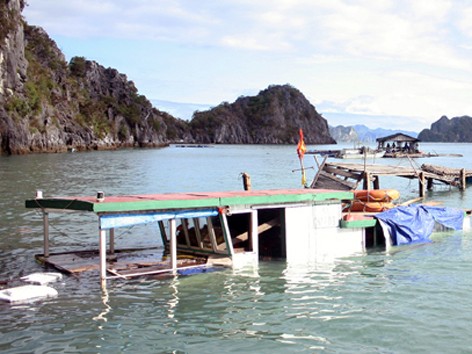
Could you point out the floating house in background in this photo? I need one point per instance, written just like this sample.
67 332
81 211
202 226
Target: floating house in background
400 145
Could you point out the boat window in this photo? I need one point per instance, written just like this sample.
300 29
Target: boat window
201 235
271 229
240 228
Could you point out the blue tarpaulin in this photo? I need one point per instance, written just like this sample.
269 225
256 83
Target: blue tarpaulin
415 223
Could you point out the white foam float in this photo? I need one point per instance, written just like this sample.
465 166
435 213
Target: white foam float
42 278
27 293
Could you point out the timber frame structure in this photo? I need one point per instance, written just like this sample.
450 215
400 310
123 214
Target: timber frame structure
226 229
348 176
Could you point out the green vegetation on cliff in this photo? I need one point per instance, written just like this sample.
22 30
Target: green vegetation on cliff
49 105
454 130
274 116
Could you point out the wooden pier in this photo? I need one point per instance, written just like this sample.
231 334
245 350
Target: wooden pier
348 176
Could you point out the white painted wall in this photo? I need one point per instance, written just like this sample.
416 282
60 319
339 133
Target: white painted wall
313 234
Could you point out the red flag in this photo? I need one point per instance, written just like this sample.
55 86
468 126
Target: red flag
301 148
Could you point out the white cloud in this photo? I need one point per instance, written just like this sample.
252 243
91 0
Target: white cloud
384 57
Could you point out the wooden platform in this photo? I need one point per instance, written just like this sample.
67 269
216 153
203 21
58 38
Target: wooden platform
122 263
348 176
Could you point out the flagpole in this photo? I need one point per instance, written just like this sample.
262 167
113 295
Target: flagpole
301 149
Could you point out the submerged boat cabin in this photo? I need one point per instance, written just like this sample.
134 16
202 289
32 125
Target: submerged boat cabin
198 231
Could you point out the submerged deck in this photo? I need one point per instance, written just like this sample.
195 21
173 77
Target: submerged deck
121 263
199 230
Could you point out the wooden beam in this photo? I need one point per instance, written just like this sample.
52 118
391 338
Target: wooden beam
421 184
46 233
462 179
173 245
429 184
366 184
336 183
342 172
112 241
320 169
376 182
260 229
102 246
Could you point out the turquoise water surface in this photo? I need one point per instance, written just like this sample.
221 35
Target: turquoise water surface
414 299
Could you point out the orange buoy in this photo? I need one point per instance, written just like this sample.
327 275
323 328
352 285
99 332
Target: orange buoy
370 206
376 195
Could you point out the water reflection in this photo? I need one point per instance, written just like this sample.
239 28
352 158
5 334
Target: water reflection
174 298
107 308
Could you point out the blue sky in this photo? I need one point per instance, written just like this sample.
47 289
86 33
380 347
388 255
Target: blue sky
396 64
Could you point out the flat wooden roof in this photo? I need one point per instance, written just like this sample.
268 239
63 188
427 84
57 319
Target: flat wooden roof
398 137
148 202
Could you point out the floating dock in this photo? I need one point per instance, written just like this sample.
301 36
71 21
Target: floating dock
348 176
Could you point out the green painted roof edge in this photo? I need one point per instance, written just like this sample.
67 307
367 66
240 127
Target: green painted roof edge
67 204
285 198
212 202
356 224
155 205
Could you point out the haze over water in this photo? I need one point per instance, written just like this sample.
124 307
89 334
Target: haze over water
414 299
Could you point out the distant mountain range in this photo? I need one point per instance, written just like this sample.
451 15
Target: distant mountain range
362 134
342 134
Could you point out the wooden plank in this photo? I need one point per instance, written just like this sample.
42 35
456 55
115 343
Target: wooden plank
342 172
327 180
462 179
260 229
422 184
320 168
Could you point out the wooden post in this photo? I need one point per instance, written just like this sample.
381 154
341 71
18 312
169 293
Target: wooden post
227 235
429 185
377 182
173 246
46 233
366 184
421 184
254 233
462 176
112 241
320 169
246 181
102 246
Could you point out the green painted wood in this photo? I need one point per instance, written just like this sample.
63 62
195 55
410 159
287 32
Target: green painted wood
154 205
356 224
114 204
285 198
56 203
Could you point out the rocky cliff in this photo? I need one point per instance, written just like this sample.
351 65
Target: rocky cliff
47 104
50 105
344 134
454 130
274 116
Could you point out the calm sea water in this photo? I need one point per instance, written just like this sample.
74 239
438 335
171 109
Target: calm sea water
415 299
